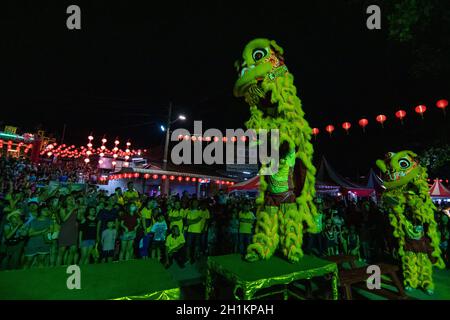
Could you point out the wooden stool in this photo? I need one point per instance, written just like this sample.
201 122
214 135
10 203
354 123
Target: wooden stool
358 277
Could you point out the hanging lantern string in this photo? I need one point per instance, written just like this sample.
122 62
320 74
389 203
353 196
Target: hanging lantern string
381 118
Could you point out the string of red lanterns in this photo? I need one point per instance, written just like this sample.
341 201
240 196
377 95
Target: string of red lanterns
19 146
147 176
64 151
381 118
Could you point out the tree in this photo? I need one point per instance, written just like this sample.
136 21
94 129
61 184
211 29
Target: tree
437 160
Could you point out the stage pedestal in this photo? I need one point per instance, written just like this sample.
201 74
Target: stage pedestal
125 280
249 278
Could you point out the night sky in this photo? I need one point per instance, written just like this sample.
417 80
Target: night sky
118 73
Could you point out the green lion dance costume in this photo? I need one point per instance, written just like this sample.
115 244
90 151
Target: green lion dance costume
286 207
411 213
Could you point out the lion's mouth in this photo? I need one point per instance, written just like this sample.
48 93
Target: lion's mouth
263 100
397 175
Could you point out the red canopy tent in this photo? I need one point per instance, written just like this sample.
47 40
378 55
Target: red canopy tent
247 185
327 175
438 190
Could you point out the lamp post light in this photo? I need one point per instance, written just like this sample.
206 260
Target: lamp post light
166 145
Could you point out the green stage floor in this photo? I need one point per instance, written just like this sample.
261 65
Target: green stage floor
141 279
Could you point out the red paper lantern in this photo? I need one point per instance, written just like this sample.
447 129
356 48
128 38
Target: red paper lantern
146 176
172 178
346 126
187 179
315 131
363 123
194 179
420 109
180 178
329 128
442 104
400 114
164 177
155 176
381 118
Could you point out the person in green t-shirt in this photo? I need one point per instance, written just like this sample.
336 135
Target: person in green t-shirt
195 223
176 216
246 220
147 214
175 244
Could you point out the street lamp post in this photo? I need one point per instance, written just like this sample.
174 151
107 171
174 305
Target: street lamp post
166 145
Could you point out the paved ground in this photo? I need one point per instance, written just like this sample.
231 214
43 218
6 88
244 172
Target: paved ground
441 292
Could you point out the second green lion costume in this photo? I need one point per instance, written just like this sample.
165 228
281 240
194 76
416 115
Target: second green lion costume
286 207
411 213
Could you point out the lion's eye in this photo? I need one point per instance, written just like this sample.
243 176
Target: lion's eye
404 163
258 54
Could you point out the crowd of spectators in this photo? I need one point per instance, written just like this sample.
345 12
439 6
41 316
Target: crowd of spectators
69 223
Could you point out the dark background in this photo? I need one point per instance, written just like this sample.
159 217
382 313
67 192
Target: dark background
129 60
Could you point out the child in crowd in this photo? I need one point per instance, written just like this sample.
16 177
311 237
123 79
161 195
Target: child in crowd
108 241
175 249
159 230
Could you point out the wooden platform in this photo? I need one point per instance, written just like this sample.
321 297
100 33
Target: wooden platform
256 280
